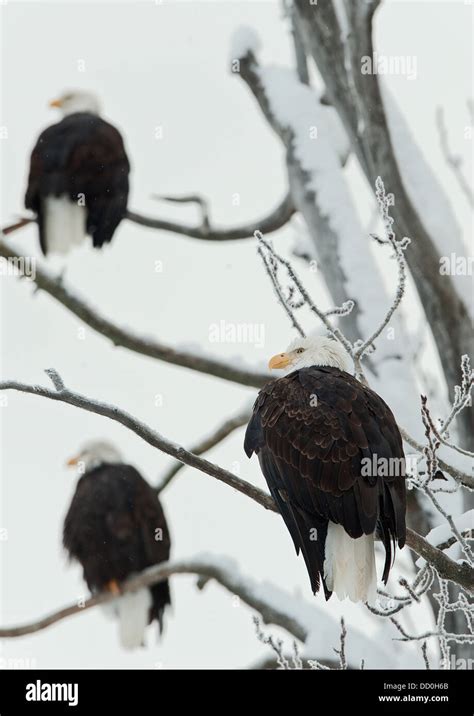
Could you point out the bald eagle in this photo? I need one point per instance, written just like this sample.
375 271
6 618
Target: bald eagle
115 527
78 178
332 455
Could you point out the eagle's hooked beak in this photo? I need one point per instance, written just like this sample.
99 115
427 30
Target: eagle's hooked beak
72 461
55 103
281 360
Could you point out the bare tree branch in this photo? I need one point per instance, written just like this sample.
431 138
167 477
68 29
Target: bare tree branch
145 433
274 221
462 574
227 427
125 338
17 225
270 223
324 238
190 199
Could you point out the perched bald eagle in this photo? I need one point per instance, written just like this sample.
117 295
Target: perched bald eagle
332 456
78 179
115 527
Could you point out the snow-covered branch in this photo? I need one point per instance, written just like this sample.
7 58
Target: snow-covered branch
275 220
305 622
222 570
357 98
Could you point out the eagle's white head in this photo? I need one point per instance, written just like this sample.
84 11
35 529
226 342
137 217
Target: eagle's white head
309 351
72 101
95 453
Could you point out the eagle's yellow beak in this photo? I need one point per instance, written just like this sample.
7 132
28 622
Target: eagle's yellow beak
72 461
55 103
281 360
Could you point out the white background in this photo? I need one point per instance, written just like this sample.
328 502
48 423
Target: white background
167 65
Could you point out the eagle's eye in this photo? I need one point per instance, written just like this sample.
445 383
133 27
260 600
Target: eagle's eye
300 350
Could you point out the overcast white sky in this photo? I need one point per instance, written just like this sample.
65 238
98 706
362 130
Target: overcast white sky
166 65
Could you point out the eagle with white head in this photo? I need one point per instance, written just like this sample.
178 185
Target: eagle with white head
78 178
332 455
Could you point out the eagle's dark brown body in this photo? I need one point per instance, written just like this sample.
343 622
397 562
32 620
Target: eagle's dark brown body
115 527
311 431
83 158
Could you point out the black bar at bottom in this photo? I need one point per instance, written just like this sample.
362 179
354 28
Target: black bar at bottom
365 692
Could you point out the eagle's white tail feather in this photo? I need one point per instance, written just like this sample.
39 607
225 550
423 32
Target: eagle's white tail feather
64 224
133 612
349 565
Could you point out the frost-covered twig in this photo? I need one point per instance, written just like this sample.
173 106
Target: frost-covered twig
274 260
275 644
390 604
341 652
385 201
296 296
457 533
462 395
271 271
444 637
442 440
432 446
297 663
433 443
462 477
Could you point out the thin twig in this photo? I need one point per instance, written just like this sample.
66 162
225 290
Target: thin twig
190 199
454 161
385 201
